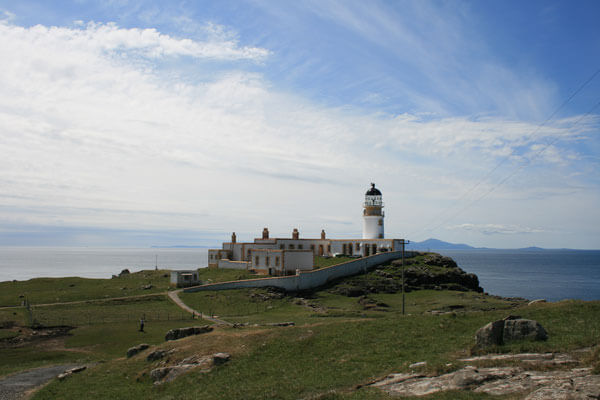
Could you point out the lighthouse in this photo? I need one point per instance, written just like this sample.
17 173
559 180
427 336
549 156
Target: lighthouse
373 214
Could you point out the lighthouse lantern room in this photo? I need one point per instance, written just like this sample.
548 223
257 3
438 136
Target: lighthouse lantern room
373 214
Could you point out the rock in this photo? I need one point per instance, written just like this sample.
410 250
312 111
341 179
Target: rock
180 333
70 372
491 334
132 351
509 329
220 358
124 272
75 370
536 301
204 363
147 287
281 324
158 354
159 373
519 329
418 364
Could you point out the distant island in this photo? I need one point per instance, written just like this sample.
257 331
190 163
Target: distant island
436 244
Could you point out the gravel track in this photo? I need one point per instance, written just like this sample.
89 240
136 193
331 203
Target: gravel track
15 386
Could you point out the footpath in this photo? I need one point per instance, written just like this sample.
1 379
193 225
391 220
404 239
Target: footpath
174 295
18 385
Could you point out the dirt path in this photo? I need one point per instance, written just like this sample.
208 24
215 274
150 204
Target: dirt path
174 295
16 386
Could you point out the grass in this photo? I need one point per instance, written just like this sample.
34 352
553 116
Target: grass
330 356
214 275
104 330
58 290
337 343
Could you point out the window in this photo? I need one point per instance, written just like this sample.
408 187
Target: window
357 246
329 248
292 247
256 261
277 261
380 222
267 261
300 247
312 247
282 246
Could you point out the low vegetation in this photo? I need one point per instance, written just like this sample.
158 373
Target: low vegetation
339 341
60 290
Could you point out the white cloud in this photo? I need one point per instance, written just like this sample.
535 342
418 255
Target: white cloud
91 136
108 37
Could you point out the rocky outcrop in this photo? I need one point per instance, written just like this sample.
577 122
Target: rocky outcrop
574 383
432 271
159 354
132 351
509 329
195 362
70 372
180 333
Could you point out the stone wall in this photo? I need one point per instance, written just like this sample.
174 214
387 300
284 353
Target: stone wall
310 279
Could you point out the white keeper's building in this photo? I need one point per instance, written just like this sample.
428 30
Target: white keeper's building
287 256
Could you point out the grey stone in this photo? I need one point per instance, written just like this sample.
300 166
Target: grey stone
132 351
281 324
220 358
157 355
519 329
490 334
180 333
509 329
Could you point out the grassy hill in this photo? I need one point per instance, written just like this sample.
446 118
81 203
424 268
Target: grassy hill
341 340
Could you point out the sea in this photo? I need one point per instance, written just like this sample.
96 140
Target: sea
532 274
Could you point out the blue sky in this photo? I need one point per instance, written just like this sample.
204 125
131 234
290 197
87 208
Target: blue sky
143 123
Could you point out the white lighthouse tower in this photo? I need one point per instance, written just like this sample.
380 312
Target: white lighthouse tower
373 214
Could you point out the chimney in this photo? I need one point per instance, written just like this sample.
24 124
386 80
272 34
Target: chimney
265 233
233 238
322 234
295 234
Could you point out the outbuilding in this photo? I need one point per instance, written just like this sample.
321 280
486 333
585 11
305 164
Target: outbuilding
185 278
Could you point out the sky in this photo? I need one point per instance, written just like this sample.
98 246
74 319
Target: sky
140 123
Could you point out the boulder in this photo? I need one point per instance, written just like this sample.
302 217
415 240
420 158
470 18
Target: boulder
220 358
509 329
124 272
157 355
197 361
180 333
518 329
132 351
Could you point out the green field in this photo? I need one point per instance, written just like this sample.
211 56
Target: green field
338 343
59 290
330 354
103 330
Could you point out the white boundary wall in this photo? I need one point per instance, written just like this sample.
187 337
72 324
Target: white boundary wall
309 279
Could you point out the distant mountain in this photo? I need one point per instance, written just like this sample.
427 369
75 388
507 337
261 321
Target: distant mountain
435 244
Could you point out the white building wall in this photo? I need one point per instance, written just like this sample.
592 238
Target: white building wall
372 227
302 260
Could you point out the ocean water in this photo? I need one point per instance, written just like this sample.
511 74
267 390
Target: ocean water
23 263
550 274
534 274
